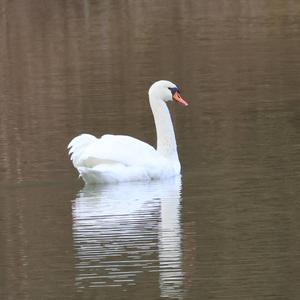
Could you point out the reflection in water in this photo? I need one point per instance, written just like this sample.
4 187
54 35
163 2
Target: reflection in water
122 231
169 243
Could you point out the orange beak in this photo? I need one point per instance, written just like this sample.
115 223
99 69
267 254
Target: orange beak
177 98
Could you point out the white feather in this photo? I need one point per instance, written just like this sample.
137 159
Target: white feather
115 158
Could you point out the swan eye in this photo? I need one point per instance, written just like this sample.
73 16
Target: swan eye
174 90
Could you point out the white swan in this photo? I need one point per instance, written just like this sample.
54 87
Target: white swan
116 158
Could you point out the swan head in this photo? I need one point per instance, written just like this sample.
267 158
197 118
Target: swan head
166 91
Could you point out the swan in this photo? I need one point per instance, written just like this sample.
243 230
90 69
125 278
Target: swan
118 158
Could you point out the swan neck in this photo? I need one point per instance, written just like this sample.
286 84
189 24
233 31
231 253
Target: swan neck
166 141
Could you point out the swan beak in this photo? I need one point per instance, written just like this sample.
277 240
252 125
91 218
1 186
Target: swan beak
177 98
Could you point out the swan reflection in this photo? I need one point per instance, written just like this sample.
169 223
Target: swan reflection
121 231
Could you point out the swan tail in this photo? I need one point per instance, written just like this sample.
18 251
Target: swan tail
78 145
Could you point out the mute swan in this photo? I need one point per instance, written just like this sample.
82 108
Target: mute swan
116 158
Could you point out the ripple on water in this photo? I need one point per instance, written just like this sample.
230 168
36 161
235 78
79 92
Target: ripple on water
123 231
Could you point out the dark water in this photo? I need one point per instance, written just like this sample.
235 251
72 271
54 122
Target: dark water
229 229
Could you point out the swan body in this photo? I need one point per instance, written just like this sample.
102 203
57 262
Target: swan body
117 158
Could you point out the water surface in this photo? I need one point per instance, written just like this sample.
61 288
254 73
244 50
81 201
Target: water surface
228 229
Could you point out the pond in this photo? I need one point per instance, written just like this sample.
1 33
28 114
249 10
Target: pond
227 228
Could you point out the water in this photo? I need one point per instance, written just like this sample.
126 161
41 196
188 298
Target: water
228 229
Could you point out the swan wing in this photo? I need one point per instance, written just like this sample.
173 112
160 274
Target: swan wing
88 151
